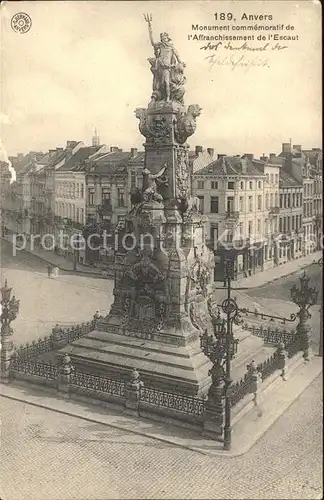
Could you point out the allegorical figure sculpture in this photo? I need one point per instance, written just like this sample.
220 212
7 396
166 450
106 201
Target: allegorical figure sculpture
167 68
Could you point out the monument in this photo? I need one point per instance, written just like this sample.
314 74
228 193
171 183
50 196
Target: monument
163 269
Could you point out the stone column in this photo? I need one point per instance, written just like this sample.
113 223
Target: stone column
7 350
132 394
215 406
64 379
303 331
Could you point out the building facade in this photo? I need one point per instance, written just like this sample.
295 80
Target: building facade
240 197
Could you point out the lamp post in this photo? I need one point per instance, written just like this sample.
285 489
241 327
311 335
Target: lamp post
304 297
9 312
221 349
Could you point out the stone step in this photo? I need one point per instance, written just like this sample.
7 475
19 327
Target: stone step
182 357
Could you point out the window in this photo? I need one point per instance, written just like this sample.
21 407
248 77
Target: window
293 223
250 204
242 185
201 184
266 226
230 204
271 200
241 204
81 215
259 202
230 185
133 180
82 191
267 200
201 204
214 185
251 185
121 198
241 230
105 196
229 235
214 233
271 178
214 204
259 226
259 185
91 196
250 228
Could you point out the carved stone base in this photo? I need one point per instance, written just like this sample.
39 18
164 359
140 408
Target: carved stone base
168 361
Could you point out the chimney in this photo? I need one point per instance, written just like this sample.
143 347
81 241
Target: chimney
297 147
59 150
263 157
199 149
249 156
220 156
272 156
286 147
114 149
244 165
210 151
14 160
71 144
133 152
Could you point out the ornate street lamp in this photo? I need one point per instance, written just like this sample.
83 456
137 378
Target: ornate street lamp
304 297
221 348
9 312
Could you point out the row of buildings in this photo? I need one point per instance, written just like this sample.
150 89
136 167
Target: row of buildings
269 209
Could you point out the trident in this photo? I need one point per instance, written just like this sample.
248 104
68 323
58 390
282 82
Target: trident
148 18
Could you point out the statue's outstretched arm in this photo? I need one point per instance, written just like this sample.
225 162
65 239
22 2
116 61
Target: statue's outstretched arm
148 19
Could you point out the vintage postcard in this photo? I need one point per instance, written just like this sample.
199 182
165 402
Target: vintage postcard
161 239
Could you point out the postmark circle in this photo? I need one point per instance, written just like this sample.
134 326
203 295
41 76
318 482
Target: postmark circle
21 22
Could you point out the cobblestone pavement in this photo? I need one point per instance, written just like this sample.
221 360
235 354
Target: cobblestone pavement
67 300
50 456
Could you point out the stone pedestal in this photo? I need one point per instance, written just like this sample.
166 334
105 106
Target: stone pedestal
164 271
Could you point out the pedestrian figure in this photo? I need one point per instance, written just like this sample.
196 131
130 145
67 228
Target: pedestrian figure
49 271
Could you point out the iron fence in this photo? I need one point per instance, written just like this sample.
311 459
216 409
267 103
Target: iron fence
35 349
44 370
185 404
240 389
271 335
44 345
99 383
270 365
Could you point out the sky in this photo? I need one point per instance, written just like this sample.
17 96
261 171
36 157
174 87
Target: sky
84 65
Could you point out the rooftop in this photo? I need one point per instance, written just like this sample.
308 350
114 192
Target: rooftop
231 166
286 180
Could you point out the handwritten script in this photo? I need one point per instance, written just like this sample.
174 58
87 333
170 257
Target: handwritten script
244 47
235 62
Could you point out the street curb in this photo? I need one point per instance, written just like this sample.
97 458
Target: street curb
65 269
218 452
274 279
98 421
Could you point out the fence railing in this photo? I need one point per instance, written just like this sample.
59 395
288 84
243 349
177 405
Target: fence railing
98 383
178 402
240 389
153 398
270 365
272 335
59 337
39 369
